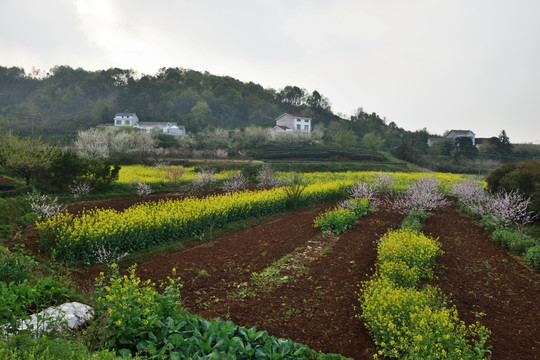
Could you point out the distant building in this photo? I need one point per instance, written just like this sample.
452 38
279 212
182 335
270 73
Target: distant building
132 120
125 119
454 134
293 123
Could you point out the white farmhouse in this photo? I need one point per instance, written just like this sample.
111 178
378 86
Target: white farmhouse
131 119
454 134
125 119
293 123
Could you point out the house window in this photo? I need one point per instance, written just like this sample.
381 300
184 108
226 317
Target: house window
306 120
118 122
306 127
298 127
127 122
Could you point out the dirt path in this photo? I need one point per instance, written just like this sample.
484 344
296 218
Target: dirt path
488 284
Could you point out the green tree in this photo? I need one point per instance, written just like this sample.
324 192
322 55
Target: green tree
465 148
25 157
344 137
65 167
504 146
200 116
372 141
442 147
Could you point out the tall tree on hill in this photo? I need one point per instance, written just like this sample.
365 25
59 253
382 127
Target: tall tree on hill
504 147
200 116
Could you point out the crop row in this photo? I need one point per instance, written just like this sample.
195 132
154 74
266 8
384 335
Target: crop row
90 236
409 321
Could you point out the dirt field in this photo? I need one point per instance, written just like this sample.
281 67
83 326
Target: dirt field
313 300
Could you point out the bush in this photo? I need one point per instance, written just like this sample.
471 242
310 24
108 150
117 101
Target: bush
66 167
337 220
492 222
5 232
47 348
518 177
19 300
15 267
517 242
532 257
102 171
503 236
13 208
340 219
414 220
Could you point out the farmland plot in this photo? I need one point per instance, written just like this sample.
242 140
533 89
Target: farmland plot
316 305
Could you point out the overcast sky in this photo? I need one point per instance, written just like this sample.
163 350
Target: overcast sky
440 65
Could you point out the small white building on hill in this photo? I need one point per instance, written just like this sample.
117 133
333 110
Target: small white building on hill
293 123
132 120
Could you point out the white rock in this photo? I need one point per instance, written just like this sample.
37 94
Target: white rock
58 318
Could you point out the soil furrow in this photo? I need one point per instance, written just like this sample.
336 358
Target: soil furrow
487 284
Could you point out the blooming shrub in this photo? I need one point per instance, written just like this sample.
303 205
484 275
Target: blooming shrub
364 190
174 173
205 178
143 189
220 153
267 177
44 205
128 309
423 195
383 183
235 183
511 207
80 188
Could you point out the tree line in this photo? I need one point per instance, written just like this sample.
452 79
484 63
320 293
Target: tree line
58 104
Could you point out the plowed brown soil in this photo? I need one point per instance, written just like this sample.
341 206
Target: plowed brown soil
316 305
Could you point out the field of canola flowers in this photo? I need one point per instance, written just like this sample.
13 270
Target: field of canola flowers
158 174
79 239
401 180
